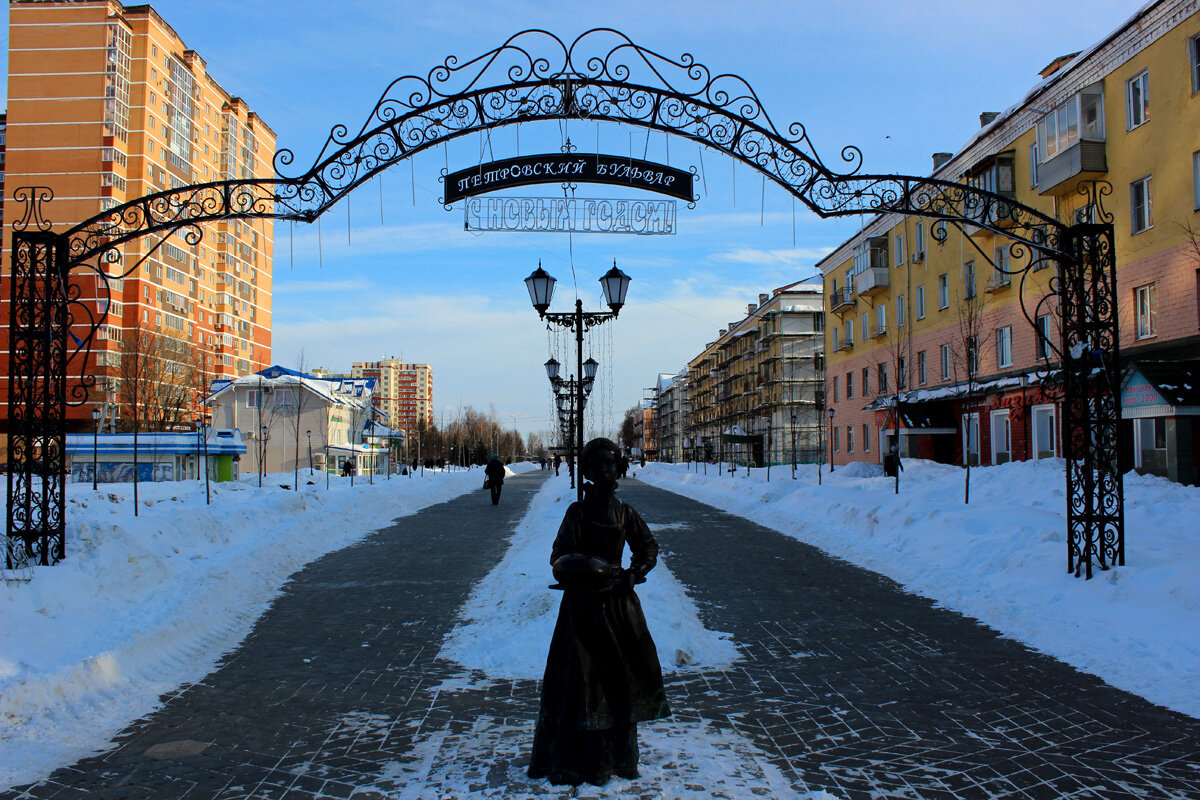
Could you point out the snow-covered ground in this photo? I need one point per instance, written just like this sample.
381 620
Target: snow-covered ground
145 604
1002 559
509 618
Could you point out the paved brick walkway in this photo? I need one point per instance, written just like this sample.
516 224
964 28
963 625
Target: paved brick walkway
847 684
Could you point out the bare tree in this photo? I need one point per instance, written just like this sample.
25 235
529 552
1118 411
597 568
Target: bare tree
897 360
156 384
158 380
966 349
628 432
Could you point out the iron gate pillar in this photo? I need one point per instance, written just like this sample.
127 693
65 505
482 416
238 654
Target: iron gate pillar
37 399
1091 434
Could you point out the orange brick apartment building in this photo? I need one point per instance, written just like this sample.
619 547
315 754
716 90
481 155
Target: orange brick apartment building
107 104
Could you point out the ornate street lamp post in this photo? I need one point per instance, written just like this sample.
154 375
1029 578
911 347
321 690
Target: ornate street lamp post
541 289
309 435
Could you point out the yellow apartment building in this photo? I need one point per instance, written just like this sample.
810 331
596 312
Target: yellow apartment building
403 391
761 380
915 306
107 104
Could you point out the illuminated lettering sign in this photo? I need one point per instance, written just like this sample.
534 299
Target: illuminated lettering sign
570 215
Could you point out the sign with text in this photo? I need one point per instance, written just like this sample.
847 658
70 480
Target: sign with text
570 215
568 168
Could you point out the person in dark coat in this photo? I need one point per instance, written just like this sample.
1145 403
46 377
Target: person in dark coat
495 477
891 463
557 464
602 672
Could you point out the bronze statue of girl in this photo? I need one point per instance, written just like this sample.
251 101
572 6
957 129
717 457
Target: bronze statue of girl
602 673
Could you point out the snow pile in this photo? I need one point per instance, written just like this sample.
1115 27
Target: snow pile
1003 558
143 605
510 615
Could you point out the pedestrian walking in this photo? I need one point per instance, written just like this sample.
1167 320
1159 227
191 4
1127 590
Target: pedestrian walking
557 465
495 478
891 463
602 672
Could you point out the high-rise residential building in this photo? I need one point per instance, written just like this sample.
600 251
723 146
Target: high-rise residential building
107 104
930 340
403 391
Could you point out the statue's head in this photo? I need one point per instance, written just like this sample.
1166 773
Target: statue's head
600 461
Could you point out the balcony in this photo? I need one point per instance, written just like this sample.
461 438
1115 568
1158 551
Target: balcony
1085 160
878 330
873 281
844 344
998 282
841 299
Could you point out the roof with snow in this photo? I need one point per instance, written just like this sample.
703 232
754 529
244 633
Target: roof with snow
221 441
356 392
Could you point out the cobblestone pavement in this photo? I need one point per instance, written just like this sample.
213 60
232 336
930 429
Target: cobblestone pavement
846 684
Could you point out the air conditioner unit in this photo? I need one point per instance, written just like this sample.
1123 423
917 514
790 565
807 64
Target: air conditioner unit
918 256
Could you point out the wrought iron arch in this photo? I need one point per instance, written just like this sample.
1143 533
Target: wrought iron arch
534 76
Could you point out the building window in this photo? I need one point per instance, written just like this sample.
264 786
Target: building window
1043 337
945 362
972 356
883 378
837 444
1143 298
919 239
1004 347
901 372
920 367
969 280
1194 61
1196 180
920 302
849 385
849 438
866 383
1033 165
900 249
943 291
1141 213
836 345
881 317
900 311
1001 274
865 332
1137 100
866 438
835 388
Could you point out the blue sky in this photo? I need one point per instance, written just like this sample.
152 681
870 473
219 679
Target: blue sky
398 275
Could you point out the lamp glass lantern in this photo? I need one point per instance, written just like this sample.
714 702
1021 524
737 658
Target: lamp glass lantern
561 402
589 369
552 369
615 285
541 288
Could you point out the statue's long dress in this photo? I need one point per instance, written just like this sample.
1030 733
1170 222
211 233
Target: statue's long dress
602 674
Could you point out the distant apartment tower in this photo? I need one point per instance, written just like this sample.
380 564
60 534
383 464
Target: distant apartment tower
106 105
403 391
